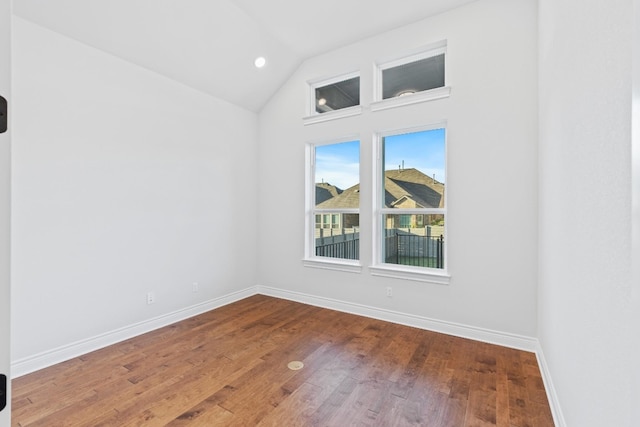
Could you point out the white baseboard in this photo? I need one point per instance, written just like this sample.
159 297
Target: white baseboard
519 342
48 358
552 396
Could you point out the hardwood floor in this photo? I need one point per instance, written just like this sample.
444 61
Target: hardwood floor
228 367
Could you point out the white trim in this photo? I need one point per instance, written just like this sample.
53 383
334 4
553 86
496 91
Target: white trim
504 339
51 357
415 98
336 264
332 115
309 196
326 81
419 274
552 396
337 140
412 211
431 125
340 211
413 55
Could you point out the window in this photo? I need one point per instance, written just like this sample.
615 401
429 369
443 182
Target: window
334 98
411 202
335 209
335 221
405 223
414 78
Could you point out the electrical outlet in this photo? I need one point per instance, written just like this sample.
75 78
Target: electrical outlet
195 287
151 297
389 291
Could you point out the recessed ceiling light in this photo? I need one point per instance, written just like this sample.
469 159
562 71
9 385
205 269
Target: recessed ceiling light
260 61
322 101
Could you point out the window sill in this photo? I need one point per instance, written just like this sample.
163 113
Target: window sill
337 265
429 95
409 273
332 115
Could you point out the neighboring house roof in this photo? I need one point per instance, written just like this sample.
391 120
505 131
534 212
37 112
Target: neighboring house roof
413 184
348 199
400 186
325 191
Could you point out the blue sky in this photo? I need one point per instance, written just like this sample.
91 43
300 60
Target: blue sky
338 164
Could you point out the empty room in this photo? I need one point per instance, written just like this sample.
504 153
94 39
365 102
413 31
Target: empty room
293 213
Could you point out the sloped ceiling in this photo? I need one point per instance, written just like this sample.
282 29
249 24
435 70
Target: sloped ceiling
210 45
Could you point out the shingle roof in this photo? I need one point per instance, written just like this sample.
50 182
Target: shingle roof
325 191
348 199
412 183
398 184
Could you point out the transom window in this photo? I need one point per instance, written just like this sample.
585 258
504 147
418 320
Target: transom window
412 77
415 77
335 94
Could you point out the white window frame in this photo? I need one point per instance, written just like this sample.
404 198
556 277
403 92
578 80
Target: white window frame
379 267
424 52
313 116
310 258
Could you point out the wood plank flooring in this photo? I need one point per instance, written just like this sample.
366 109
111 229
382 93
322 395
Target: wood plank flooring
228 367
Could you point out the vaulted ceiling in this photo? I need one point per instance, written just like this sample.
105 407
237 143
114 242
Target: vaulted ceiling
211 45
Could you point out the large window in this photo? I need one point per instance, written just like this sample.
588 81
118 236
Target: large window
411 199
335 205
404 224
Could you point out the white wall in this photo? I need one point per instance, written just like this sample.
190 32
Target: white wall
635 189
124 182
585 325
492 170
5 210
